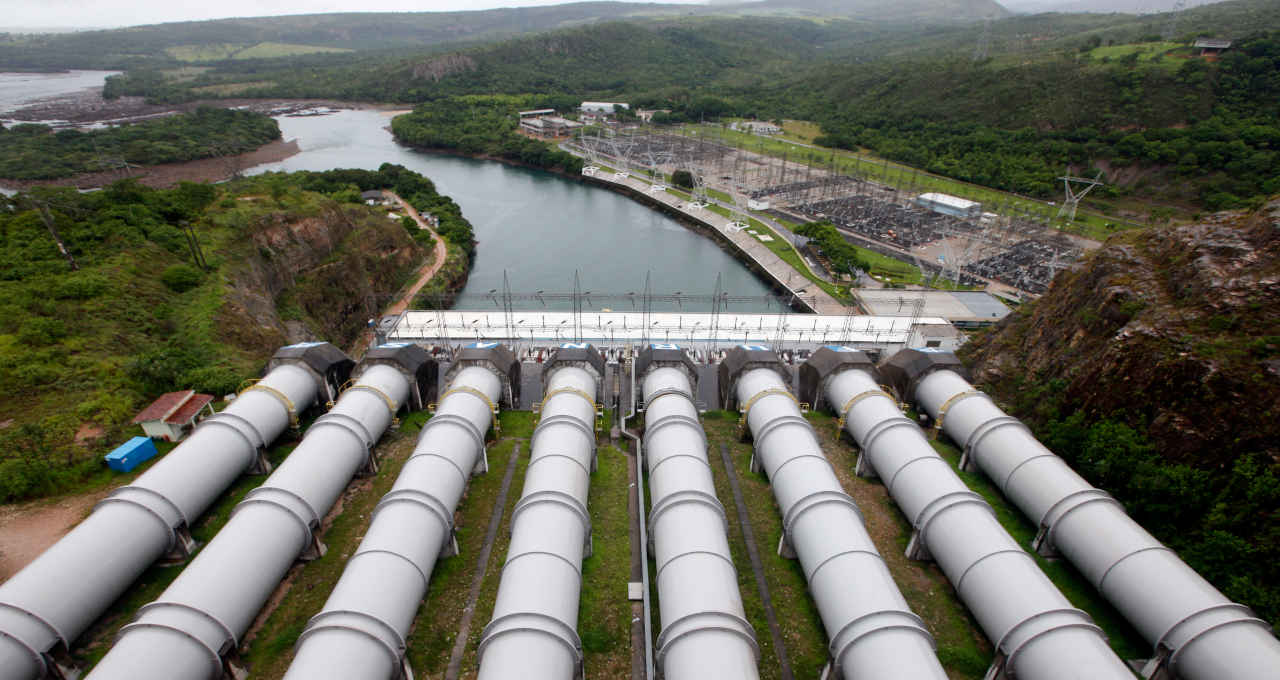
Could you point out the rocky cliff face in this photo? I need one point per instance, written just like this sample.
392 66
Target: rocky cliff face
315 278
1176 331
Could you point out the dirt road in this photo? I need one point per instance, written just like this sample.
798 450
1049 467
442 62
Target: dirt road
28 529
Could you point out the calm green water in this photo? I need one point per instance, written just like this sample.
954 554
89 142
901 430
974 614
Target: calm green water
537 227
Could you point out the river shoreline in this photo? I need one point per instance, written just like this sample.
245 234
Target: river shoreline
168 175
698 226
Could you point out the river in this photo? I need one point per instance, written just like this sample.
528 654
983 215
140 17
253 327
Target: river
537 227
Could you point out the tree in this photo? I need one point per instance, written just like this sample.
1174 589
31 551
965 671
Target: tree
682 178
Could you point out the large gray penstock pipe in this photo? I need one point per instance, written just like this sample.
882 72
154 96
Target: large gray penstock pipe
705 634
874 635
1038 635
194 628
1197 633
44 607
360 632
534 630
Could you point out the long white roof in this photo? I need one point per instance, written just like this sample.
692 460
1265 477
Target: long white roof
558 326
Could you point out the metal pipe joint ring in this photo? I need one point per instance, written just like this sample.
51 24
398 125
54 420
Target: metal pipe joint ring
563 419
687 496
1071 502
945 502
692 423
559 498
361 623
876 622
532 622
694 623
454 419
349 424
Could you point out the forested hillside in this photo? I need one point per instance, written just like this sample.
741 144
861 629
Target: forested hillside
89 336
38 152
1086 92
167 45
483 126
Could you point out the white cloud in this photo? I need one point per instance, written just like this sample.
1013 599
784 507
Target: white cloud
112 13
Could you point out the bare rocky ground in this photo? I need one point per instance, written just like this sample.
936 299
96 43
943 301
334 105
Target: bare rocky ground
28 529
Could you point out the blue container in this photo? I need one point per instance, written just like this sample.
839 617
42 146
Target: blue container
131 454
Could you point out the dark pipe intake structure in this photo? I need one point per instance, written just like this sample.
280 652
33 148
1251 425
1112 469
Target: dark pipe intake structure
1197 633
44 607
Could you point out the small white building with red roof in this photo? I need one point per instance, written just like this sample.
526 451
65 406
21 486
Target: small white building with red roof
174 415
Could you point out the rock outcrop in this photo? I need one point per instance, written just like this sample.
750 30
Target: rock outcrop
1175 331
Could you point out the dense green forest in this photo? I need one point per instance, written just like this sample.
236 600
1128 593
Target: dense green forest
1089 92
481 126
173 44
38 152
130 312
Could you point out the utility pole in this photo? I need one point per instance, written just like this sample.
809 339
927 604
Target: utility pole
43 208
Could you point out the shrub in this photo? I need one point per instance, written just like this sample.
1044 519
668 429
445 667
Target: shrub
181 278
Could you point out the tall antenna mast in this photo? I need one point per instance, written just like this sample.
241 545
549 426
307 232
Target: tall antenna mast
1171 29
983 47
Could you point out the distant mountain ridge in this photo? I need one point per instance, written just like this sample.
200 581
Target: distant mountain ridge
1098 6
184 42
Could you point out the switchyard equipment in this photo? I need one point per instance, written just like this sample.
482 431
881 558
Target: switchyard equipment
874 635
193 630
44 607
1038 635
1196 632
534 631
360 632
705 633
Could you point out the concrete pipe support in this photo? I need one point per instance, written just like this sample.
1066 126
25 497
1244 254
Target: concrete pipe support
193 630
874 634
533 633
1197 633
1037 633
360 632
44 607
705 634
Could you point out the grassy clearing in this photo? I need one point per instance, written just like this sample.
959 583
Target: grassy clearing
604 612
229 89
801 131
1123 638
1088 223
263 50
1163 53
97 640
801 626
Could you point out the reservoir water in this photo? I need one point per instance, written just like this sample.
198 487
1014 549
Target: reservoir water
535 227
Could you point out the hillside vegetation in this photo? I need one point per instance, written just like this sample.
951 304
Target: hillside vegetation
1088 93
379 32
30 151
1153 369
481 126
289 257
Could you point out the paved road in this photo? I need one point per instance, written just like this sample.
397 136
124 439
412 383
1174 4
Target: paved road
749 245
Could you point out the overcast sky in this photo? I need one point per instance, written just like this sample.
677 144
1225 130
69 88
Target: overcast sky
111 13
